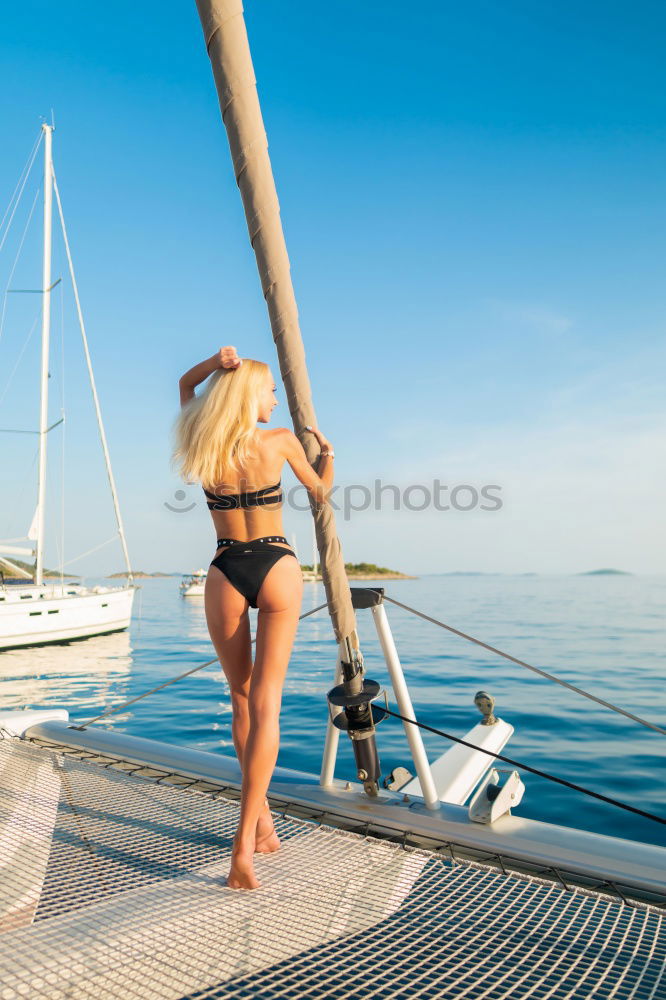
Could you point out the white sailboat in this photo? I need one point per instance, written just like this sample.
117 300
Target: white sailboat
44 611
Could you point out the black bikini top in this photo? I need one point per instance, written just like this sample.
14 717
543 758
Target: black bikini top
255 498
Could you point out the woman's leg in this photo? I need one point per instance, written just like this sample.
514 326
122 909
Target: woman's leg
279 607
229 628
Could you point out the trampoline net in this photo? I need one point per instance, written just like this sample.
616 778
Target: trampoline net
113 885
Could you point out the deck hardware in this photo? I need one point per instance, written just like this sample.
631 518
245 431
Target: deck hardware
492 799
398 777
359 717
485 704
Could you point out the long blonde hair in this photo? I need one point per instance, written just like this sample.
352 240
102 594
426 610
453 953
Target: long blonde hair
215 432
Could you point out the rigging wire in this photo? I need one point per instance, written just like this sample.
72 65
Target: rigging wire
89 551
23 175
173 680
18 362
16 260
86 351
536 670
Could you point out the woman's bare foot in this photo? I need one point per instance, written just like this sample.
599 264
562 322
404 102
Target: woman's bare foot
241 874
267 840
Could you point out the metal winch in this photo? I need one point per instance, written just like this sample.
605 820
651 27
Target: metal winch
355 696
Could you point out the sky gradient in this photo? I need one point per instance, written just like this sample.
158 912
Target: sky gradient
474 203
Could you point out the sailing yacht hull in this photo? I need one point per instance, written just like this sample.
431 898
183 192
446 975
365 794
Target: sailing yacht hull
37 615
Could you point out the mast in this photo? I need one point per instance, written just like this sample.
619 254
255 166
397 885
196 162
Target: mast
46 329
227 45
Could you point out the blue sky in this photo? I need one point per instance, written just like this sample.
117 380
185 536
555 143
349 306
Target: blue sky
474 202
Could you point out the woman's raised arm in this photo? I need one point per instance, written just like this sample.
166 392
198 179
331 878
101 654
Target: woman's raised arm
226 357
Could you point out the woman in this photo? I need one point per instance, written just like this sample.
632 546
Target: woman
219 445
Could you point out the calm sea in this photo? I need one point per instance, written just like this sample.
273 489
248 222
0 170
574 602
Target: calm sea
606 634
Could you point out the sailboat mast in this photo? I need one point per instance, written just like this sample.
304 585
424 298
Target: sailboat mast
46 329
229 51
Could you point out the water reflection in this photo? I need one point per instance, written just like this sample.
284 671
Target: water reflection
194 620
91 671
313 595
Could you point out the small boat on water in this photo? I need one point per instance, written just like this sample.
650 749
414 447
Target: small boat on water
193 584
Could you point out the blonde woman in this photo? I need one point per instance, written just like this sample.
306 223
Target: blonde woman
239 465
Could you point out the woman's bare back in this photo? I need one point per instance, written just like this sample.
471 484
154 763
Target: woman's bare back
265 470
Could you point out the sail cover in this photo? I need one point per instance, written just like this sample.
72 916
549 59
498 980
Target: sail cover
227 45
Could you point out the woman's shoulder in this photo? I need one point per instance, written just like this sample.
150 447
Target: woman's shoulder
275 436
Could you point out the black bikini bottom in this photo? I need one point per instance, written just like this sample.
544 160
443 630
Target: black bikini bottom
245 564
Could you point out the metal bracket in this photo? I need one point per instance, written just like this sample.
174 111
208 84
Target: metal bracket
492 799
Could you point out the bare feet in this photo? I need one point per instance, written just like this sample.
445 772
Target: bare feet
267 840
241 874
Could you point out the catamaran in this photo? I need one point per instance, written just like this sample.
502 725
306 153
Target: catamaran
47 609
423 883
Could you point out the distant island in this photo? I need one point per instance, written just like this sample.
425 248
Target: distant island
139 573
370 571
605 572
29 568
355 571
465 572
364 571
55 573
